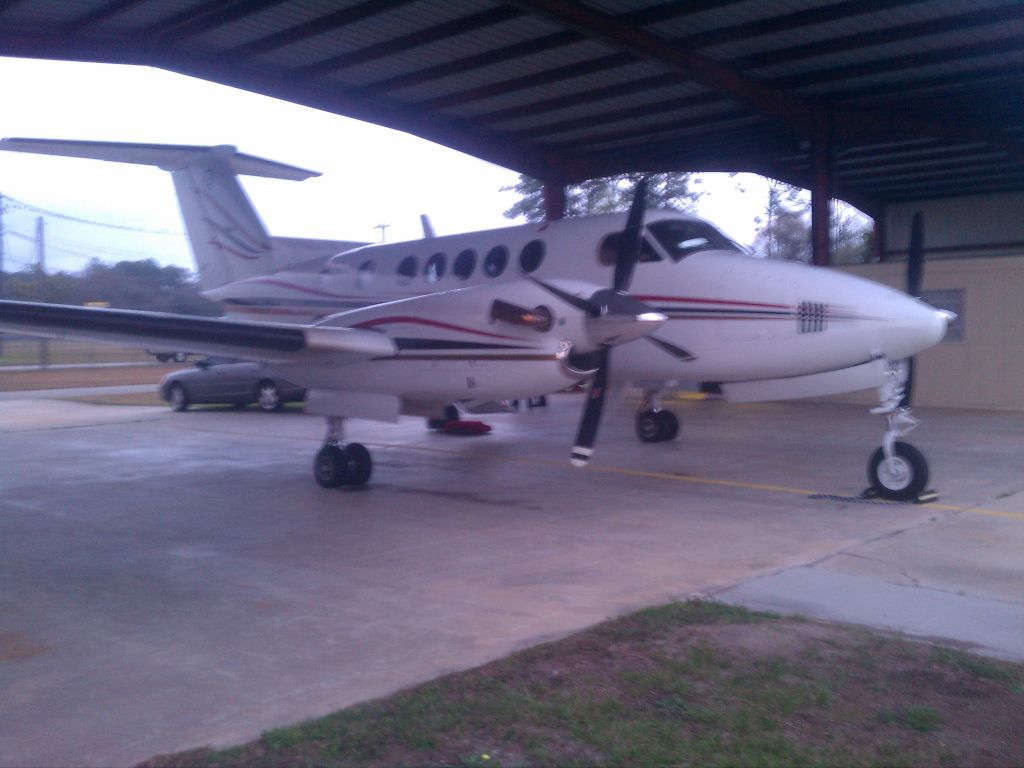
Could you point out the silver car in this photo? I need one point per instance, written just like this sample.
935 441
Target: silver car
226 380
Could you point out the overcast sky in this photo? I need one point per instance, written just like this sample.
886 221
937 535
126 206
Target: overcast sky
371 175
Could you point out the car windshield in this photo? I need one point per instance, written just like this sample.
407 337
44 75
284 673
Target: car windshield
681 238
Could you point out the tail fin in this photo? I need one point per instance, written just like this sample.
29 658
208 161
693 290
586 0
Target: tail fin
229 241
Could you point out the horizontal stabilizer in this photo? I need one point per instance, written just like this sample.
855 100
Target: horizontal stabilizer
169 157
270 342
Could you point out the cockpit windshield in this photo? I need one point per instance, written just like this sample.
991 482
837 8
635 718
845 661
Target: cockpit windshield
681 238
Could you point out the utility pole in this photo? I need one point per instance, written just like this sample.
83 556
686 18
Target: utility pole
44 344
41 245
383 233
2 287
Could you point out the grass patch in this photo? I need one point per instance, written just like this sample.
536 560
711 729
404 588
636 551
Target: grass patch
923 719
694 683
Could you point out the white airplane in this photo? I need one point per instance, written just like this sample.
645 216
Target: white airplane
656 299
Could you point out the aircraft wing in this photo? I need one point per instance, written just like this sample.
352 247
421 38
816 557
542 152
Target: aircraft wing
270 342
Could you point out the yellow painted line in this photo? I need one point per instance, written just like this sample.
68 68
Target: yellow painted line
626 471
694 479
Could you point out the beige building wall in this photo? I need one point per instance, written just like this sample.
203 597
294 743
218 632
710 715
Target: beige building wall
986 368
974 245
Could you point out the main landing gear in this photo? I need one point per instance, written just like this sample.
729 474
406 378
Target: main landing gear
337 465
897 471
653 424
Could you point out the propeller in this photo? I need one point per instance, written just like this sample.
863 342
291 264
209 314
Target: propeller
612 317
915 273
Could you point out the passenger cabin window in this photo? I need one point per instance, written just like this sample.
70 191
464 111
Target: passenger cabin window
683 238
609 250
464 264
406 270
433 270
531 256
496 261
364 277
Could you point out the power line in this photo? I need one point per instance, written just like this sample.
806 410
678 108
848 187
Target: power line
15 204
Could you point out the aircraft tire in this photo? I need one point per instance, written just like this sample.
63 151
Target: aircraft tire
178 397
669 425
358 463
268 396
648 426
330 467
902 479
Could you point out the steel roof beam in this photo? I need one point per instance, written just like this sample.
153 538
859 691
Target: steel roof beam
772 99
459 26
314 27
102 13
786 22
212 15
561 39
966 22
765 99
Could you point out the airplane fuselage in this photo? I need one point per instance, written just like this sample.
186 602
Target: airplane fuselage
736 317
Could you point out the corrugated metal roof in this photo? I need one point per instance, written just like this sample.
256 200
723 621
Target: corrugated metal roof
924 97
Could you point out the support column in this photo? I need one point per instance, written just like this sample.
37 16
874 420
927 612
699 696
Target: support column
821 192
554 201
878 237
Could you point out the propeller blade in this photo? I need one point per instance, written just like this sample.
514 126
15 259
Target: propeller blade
915 256
915 273
587 432
586 305
630 242
677 352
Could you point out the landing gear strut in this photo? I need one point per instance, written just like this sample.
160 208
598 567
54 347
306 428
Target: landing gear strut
897 470
337 465
653 424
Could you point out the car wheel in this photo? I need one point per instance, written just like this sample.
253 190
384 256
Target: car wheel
268 396
177 397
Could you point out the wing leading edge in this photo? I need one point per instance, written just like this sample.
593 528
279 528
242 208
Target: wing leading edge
271 342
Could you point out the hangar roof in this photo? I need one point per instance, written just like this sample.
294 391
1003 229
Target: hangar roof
921 98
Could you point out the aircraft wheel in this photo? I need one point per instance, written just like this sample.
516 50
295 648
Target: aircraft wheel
900 478
669 425
648 426
178 397
268 397
359 465
330 467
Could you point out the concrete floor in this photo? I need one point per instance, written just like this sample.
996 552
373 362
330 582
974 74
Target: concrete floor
174 580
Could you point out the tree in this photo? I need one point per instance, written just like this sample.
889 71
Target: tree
786 233
608 194
126 284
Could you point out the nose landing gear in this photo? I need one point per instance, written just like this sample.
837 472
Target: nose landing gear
336 465
897 471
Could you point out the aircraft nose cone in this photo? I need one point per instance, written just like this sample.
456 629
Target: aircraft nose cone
915 326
